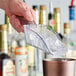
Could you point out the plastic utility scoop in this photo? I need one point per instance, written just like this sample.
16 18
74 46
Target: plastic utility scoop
44 39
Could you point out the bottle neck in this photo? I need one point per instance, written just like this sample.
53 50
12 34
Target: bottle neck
37 16
42 19
67 32
3 42
57 22
10 29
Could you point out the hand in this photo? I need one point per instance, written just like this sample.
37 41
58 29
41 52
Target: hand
19 8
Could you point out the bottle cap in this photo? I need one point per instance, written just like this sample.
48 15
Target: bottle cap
72 12
35 7
56 10
66 28
3 38
71 6
3 27
66 25
42 7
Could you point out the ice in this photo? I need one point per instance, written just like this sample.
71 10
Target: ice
44 39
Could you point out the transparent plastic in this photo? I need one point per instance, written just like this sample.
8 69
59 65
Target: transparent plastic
44 39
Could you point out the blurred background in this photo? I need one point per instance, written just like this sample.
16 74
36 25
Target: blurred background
62 4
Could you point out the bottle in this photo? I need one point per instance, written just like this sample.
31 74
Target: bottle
72 23
36 57
69 42
42 15
35 8
21 55
11 37
31 55
66 38
57 19
67 33
7 65
42 22
72 47
51 21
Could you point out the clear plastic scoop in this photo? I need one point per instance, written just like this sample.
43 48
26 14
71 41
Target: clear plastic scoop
44 39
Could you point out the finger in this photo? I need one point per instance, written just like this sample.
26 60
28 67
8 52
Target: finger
21 9
23 21
19 24
20 27
33 14
28 16
27 13
15 23
12 21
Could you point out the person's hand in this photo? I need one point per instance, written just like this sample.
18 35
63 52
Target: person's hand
16 8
